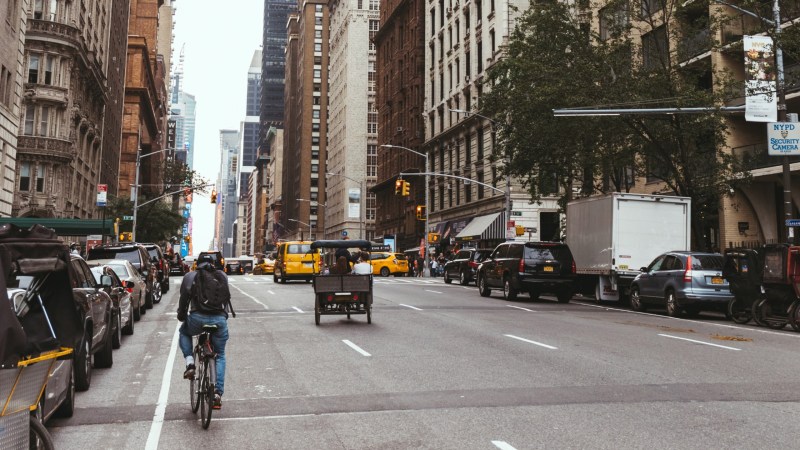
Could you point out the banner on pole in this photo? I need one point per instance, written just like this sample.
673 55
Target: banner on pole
760 87
102 194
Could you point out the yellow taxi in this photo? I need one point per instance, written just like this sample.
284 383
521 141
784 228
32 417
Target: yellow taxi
386 263
264 266
295 261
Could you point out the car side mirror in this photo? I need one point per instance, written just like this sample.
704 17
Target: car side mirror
643 270
129 284
105 280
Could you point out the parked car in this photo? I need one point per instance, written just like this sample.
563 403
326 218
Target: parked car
177 266
464 265
234 267
132 281
682 281
532 267
122 311
385 264
138 255
161 265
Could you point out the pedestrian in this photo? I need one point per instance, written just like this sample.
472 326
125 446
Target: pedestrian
434 268
206 297
420 266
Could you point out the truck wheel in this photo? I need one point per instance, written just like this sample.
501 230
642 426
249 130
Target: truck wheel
483 289
636 300
509 291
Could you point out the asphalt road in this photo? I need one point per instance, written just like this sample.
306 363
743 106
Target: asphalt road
441 367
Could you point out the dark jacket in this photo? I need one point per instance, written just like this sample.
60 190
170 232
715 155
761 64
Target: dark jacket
189 303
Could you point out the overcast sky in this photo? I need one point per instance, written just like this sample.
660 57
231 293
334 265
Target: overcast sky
219 39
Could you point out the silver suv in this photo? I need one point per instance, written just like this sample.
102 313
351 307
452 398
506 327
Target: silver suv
682 281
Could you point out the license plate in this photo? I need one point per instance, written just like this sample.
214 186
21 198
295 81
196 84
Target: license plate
308 264
717 280
548 268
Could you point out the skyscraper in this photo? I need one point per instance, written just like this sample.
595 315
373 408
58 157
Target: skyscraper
273 63
251 126
226 188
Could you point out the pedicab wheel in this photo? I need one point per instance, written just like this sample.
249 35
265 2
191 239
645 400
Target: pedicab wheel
738 313
794 315
369 313
316 310
764 311
39 436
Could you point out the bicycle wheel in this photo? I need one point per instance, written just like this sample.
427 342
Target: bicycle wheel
39 436
206 394
194 384
794 315
766 312
739 312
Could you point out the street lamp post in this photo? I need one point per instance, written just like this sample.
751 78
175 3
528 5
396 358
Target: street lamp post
312 202
362 194
301 230
493 124
426 271
139 158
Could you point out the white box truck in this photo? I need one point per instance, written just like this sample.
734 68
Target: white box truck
613 236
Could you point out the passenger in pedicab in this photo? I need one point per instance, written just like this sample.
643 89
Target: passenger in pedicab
342 266
363 267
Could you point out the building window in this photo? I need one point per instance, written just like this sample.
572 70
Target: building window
25 176
491 39
374 5
468 150
317 73
372 160
44 118
30 111
649 7
318 20
314 196
318 8
40 176
480 186
315 126
315 168
48 69
315 114
479 156
654 48
33 69
318 47
317 87
38 9
314 140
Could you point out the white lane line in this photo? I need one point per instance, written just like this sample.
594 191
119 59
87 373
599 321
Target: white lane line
355 347
530 341
251 297
435 292
409 306
503 445
297 309
699 342
520 307
271 293
163 396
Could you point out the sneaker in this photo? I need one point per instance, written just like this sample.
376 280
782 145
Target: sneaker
189 372
217 401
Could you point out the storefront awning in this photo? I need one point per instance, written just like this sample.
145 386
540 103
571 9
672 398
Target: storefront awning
65 227
481 228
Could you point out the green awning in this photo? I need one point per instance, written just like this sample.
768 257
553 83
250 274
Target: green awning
65 227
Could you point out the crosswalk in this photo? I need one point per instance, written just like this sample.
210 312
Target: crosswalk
377 280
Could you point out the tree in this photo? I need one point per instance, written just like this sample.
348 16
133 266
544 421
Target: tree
553 63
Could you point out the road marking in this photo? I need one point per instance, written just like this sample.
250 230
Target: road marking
699 342
271 293
503 445
435 292
297 309
355 347
519 307
722 325
531 342
253 298
409 306
163 396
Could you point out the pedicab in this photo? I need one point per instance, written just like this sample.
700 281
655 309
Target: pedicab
345 294
744 268
39 326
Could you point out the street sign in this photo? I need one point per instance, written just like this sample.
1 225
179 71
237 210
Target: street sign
127 217
344 233
102 194
793 222
783 138
516 213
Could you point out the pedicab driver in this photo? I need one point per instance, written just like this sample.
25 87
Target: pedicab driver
207 297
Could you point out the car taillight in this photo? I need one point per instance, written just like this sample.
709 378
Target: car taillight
473 264
130 290
355 297
522 265
687 274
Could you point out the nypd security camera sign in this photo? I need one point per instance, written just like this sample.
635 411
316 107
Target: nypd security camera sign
783 138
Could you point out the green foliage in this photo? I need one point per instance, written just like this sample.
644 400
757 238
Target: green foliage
553 63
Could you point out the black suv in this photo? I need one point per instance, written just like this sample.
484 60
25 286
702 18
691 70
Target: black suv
140 258
534 267
464 265
161 264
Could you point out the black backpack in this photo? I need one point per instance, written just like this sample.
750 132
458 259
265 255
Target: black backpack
210 292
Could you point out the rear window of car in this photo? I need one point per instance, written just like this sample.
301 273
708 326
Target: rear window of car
400 257
153 252
298 249
375 256
707 262
120 270
481 255
131 255
559 253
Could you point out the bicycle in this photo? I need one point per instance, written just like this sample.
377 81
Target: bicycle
201 389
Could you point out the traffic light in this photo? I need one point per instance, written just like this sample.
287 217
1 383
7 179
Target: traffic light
434 238
187 239
213 196
420 212
406 188
398 186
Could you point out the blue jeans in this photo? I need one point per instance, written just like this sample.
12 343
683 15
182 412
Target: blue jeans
192 326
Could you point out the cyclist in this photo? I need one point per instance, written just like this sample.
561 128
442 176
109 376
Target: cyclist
206 294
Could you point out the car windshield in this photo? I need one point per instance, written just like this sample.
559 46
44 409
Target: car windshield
301 249
128 255
556 252
707 262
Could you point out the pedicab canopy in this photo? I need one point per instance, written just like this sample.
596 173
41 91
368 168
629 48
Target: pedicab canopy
339 243
34 260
